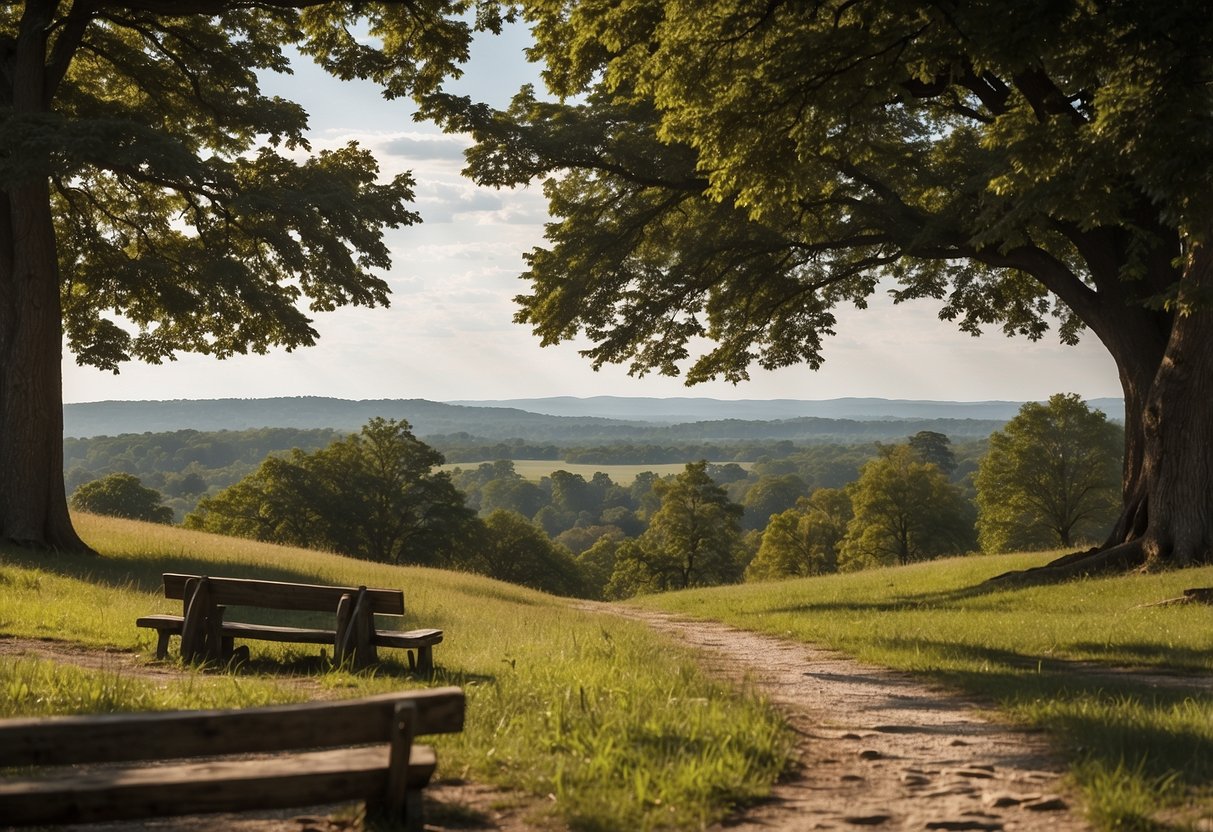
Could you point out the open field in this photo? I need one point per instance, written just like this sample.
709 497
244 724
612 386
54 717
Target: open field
1125 690
585 712
613 727
536 469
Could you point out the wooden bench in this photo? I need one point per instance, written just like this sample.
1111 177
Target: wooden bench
306 755
206 636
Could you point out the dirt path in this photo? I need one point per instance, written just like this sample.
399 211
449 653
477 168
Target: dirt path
877 748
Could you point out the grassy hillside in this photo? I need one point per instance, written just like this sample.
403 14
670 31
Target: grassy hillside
1125 688
587 709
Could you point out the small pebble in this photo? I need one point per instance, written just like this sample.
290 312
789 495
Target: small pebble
1047 804
867 820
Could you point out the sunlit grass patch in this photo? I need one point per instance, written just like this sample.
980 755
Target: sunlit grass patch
1080 660
608 724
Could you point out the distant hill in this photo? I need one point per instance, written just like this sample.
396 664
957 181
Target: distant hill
597 420
111 418
678 410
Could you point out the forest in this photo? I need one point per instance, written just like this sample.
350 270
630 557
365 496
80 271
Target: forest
742 510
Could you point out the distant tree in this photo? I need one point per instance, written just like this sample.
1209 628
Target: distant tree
581 538
514 549
644 494
597 564
512 494
1050 478
804 540
905 510
183 485
691 540
374 495
770 495
935 448
727 473
122 495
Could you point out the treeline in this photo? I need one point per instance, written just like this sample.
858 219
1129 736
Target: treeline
185 464
1049 478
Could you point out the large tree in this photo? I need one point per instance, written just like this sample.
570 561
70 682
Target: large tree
736 170
905 510
691 540
1050 478
153 200
375 495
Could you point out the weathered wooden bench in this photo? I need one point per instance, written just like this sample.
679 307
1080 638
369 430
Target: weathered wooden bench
206 636
195 762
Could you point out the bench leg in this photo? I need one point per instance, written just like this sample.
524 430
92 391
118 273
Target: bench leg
398 804
162 637
425 659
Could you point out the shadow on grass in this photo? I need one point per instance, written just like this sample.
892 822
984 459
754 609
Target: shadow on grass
144 574
1115 720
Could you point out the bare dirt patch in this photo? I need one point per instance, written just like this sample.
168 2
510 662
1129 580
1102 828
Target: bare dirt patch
879 748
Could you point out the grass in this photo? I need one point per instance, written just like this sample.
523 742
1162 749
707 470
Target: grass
611 726
1048 657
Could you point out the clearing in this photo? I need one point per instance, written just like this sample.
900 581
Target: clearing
877 748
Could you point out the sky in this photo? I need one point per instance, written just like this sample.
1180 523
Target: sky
449 334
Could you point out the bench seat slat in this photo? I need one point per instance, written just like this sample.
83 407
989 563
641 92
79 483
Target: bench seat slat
408 638
302 635
149 736
306 778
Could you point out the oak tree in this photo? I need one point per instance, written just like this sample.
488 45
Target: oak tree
737 171
904 510
1050 478
154 201
804 540
376 494
691 539
122 495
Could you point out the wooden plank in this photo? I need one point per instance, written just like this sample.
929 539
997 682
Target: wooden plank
395 792
341 638
284 596
172 623
199 606
271 632
303 779
149 736
410 638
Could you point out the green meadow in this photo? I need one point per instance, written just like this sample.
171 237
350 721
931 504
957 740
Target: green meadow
1078 660
606 724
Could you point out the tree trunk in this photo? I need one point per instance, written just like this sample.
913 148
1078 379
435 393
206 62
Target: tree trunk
1178 462
1167 519
33 505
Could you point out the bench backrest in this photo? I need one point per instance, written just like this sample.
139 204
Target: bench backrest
149 736
281 595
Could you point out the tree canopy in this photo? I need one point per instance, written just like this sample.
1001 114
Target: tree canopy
122 495
1050 478
373 495
153 200
691 540
904 510
737 171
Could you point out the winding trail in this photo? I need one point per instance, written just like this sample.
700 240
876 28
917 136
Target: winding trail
878 748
